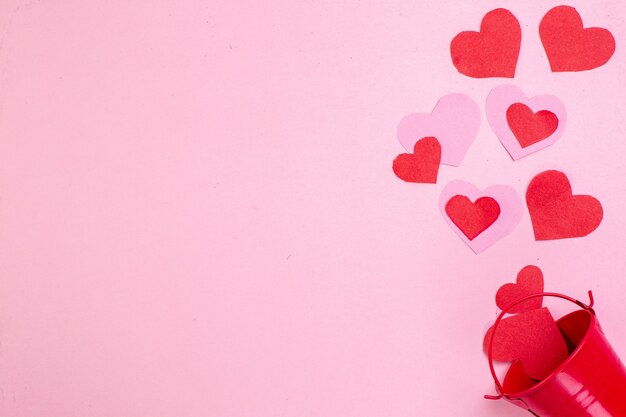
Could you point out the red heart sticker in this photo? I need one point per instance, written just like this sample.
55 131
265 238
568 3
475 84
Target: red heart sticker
529 127
422 165
492 52
571 47
472 218
532 337
529 282
556 213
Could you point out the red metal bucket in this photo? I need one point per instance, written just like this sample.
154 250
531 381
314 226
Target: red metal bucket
591 382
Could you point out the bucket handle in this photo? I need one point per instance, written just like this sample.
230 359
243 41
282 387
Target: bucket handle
501 316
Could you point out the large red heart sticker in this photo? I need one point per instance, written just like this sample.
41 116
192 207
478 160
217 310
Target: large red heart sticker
529 282
529 127
422 165
571 47
492 52
472 218
532 337
556 213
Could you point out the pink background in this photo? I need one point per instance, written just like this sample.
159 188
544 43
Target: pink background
198 215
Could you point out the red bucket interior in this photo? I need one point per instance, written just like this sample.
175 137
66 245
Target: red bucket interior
573 327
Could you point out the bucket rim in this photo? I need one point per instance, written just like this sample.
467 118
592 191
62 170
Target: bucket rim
529 391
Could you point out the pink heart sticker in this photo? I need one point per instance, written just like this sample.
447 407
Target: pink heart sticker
454 122
525 125
510 212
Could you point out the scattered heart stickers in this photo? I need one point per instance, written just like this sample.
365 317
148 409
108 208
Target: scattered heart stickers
422 166
480 218
529 282
492 52
525 125
454 122
531 337
571 47
556 213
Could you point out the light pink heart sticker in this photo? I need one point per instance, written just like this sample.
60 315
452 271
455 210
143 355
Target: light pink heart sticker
454 122
501 98
511 209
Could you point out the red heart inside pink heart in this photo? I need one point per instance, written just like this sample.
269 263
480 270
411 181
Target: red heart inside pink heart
530 127
473 213
525 125
472 218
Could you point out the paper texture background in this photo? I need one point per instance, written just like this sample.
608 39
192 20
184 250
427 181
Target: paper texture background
198 215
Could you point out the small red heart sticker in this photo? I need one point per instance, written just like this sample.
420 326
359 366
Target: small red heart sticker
529 282
422 166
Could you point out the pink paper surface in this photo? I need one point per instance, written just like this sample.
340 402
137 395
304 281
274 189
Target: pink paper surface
198 216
